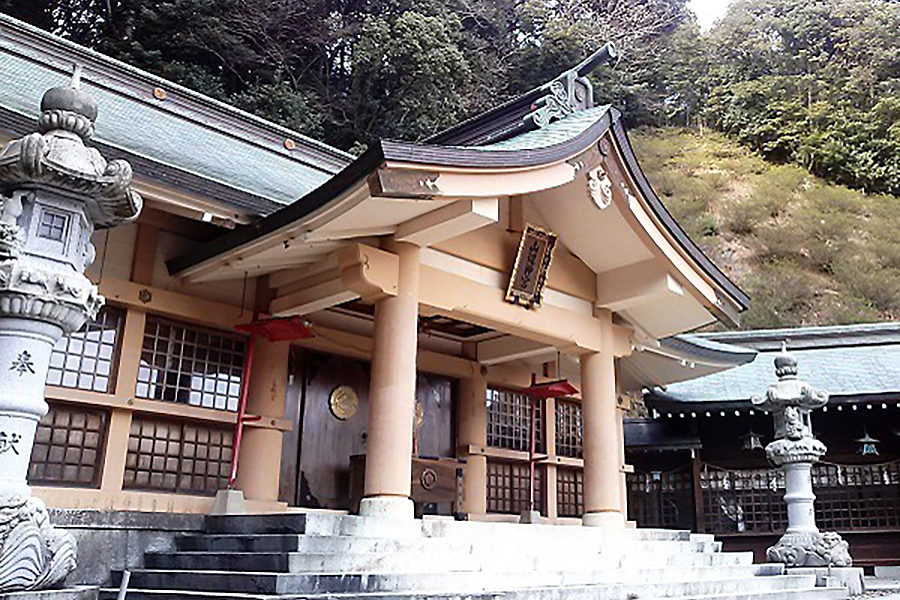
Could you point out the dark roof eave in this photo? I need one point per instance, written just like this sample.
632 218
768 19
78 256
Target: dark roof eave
457 156
804 338
663 402
450 156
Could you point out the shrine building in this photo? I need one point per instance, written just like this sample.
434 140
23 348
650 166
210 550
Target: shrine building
458 310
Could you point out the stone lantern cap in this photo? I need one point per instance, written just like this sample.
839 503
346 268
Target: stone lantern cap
56 157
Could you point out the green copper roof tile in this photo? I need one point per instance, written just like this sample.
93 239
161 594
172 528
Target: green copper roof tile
188 132
554 133
842 371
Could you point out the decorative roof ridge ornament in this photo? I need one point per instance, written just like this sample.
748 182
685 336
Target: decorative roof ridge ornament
56 157
571 91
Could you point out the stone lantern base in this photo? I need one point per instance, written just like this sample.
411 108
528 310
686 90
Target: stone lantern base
811 549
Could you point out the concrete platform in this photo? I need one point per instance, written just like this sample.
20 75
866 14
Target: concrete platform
82 592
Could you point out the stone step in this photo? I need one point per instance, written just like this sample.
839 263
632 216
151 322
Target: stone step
831 593
267 542
357 545
466 582
536 594
335 524
263 523
401 560
444 527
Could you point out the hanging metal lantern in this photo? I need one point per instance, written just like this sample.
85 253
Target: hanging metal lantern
752 441
867 445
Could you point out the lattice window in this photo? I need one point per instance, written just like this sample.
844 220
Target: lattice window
179 457
190 364
508 489
569 492
509 421
86 359
661 498
857 496
52 226
68 447
569 428
743 500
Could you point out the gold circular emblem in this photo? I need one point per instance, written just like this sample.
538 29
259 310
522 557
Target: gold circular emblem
343 402
420 416
159 93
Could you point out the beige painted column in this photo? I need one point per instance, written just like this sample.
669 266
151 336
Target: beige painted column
602 499
472 436
259 467
392 394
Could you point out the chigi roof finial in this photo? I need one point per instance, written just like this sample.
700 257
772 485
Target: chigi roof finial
571 90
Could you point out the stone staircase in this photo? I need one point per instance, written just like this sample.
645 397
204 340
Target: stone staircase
324 556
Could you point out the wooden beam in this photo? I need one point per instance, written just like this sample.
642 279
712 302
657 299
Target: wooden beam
362 272
448 222
144 258
175 304
635 284
455 296
509 348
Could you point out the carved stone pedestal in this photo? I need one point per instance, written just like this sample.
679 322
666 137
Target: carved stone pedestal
811 550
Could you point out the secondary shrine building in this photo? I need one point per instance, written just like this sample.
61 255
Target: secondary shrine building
434 284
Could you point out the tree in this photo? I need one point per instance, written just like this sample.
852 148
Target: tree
813 82
350 71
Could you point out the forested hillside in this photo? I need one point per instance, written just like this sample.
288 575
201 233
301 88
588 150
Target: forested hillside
807 251
813 82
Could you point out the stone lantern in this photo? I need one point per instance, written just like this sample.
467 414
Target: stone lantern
795 450
54 191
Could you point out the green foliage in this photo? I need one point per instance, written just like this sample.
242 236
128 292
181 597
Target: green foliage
351 71
807 252
815 83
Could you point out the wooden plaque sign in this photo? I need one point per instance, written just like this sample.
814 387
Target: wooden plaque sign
530 271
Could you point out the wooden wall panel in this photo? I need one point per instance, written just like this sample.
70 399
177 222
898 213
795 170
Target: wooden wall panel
327 443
